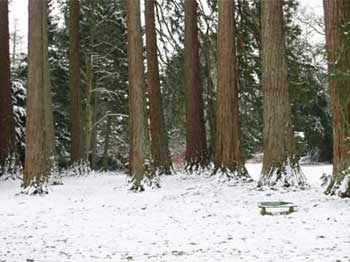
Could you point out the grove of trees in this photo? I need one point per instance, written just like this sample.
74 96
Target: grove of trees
209 83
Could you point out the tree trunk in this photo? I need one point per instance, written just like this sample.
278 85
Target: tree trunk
228 157
94 134
196 148
106 143
7 122
137 130
88 111
280 164
210 94
49 119
74 83
337 18
211 111
159 138
39 124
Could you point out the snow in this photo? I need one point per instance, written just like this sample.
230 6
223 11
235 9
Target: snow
344 186
290 176
190 218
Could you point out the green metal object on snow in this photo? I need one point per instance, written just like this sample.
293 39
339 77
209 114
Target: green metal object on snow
287 207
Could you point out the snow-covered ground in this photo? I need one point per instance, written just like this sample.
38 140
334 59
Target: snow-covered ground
191 218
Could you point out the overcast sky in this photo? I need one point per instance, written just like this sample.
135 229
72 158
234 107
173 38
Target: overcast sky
19 12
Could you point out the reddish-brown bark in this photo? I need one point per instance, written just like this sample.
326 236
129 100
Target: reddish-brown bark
337 19
137 121
278 135
74 83
227 154
7 122
196 148
39 124
159 139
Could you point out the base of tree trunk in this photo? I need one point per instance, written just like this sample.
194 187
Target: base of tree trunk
339 184
79 168
283 176
239 173
148 181
135 187
36 188
196 167
164 170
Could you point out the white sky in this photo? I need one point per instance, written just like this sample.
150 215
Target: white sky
19 12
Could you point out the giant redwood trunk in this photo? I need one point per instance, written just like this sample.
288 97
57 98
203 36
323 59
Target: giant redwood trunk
196 148
74 81
228 158
337 23
159 138
280 164
87 94
39 124
7 122
136 98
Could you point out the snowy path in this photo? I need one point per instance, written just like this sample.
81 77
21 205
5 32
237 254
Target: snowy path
189 219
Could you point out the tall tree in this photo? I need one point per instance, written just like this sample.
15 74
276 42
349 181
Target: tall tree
90 63
196 148
136 96
280 164
7 123
228 158
93 143
337 22
107 135
39 124
74 83
159 138
104 79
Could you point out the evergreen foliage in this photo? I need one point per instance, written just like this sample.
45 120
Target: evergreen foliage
307 81
104 80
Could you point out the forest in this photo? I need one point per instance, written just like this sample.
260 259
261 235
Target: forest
123 112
